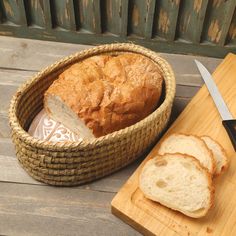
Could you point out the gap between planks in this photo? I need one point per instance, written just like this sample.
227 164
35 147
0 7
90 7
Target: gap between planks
17 69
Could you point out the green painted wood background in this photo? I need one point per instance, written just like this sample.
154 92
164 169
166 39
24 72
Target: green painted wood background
203 27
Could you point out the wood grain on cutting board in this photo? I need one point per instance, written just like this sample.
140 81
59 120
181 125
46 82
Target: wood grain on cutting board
200 117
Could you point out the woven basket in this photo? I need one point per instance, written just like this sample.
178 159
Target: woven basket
73 163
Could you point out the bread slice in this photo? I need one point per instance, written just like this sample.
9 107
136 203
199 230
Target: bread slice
190 145
179 182
219 154
58 111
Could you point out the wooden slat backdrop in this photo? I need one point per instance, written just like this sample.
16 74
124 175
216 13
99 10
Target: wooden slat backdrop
205 27
165 21
219 16
191 19
231 38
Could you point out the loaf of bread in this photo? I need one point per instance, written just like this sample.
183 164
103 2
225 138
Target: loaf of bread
190 145
179 182
104 93
219 154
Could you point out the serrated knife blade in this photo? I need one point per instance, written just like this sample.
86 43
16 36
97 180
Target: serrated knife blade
227 118
213 90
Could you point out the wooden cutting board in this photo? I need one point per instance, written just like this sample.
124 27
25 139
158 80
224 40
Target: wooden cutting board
200 117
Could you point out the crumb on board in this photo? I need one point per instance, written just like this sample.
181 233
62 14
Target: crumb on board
209 230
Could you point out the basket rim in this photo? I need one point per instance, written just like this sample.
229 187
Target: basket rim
163 65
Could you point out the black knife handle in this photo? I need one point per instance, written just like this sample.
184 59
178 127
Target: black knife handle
230 126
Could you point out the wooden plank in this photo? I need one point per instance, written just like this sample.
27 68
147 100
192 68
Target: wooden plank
218 19
89 15
2 15
44 210
36 13
11 171
184 65
33 55
25 54
4 126
110 16
21 8
136 19
165 19
141 17
14 77
14 12
63 14
6 93
96 25
124 17
192 14
7 149
114 16
47 15
186 91
149 17
200 117
231 38
205 49
10 80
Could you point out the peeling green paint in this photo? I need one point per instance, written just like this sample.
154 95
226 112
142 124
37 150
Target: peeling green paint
184 26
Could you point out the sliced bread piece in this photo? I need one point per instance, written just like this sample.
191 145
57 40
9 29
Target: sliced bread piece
190 145
179 182
219 154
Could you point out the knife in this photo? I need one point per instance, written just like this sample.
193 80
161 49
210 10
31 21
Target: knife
228 121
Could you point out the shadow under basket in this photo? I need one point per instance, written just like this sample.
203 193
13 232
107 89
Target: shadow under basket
74 163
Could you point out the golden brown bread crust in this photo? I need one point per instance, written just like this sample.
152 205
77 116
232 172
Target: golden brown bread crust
226 165
203 143
110 92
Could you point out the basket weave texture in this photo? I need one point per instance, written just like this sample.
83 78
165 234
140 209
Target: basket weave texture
74 163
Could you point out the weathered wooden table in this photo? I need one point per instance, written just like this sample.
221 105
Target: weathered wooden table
28 207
